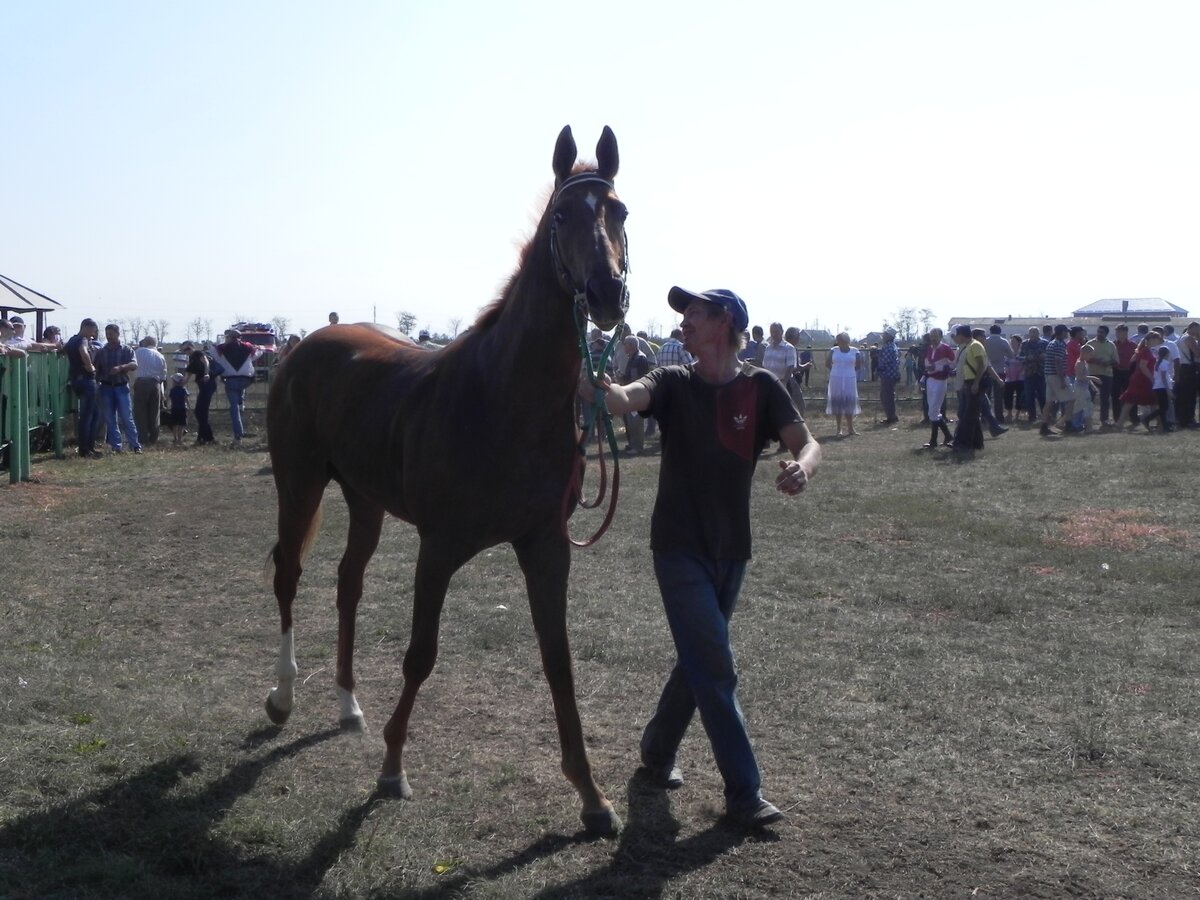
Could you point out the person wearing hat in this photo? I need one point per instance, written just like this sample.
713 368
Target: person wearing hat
1059 390
6 348
237 361
178 398
16 338
888 370
716 416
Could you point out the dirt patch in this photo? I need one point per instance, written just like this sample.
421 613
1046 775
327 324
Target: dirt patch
1119 529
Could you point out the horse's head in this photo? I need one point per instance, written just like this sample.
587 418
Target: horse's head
587 230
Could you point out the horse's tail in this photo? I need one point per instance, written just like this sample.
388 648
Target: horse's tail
310 538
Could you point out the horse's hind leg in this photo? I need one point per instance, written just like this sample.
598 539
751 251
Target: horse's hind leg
299 516
434 570
366 522
545 559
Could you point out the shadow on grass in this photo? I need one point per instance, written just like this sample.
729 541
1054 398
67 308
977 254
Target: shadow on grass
149 836
647 855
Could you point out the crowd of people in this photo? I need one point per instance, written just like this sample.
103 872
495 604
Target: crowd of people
126 395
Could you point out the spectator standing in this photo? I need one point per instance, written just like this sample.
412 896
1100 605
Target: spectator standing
844 364
17 338
1122 368
753 349
333 318
1140 391
237 362
148 399
1084 385
1187 385
939 366
998 351
672 352
7 349
114 362
636 366
716 416
795 385
1101 366
179 406
1163 382
81 374
991 378
1059 393
970 365
199 369
1167 332
805 363
889 375
778 356
1014 381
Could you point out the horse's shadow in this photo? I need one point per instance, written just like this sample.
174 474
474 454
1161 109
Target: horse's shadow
149 835
647 855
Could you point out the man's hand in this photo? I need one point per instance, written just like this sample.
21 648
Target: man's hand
792 478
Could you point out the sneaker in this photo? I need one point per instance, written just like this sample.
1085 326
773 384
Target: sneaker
1046 431
757 816
999 431
137 449
670 777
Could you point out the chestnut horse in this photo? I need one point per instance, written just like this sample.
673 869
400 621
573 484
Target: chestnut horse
474 444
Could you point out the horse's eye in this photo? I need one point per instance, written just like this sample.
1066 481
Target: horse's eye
560 216
621 212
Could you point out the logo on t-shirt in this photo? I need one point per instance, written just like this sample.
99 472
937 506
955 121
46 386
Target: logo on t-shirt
736 419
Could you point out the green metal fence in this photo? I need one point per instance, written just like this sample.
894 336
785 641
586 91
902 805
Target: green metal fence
35 400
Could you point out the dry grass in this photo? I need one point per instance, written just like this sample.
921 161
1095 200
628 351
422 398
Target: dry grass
949 692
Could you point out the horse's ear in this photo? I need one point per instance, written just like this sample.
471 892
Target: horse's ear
606 155
564 154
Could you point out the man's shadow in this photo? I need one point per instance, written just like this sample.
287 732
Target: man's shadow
149 835
647 855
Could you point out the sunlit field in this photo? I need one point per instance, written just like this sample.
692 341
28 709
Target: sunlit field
964 676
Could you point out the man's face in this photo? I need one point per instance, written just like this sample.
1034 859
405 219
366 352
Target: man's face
776 334
1102 334
112 334
700 324
1122 334
1033 334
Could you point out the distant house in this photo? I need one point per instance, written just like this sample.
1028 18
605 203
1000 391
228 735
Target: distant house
817 338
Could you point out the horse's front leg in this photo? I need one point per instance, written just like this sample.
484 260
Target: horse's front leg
436 564
545 559
366 523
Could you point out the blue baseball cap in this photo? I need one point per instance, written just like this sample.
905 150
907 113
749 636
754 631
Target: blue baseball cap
679 299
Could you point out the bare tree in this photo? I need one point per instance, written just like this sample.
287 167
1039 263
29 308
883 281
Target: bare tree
158 328
927 319
455 325
904 320
195 329
405 321
137 329
207 326
280 324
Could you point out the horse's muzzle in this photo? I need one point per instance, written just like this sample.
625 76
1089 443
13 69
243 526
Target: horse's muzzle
607 301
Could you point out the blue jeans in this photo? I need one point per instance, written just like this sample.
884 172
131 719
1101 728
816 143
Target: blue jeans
88 393
699 596
235 387
114 399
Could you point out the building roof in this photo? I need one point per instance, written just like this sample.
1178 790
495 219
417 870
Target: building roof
1136 306
19 298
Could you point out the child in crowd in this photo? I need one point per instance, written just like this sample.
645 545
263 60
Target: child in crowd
1085 382
179 407
1164 385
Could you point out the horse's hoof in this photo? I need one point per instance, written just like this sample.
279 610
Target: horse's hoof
355 724
275 714
601 822
395 786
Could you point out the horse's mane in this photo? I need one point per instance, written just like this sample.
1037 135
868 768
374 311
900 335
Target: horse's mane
490 314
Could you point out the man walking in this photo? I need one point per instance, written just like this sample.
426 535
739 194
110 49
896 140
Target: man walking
1059 393
237 361
716 417
148 389
1102 365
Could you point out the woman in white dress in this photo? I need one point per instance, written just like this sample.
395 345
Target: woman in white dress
841 401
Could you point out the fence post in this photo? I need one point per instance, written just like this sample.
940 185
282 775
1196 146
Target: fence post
16 419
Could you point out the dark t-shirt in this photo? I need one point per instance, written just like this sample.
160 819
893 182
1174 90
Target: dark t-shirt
711 438
197 364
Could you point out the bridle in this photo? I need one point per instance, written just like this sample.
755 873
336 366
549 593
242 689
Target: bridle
596 409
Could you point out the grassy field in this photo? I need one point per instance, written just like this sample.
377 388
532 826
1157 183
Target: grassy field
965 676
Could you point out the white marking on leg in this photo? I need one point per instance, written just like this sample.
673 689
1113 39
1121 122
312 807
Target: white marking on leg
283 696
347 706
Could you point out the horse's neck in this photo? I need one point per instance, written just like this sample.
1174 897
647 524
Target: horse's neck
535 335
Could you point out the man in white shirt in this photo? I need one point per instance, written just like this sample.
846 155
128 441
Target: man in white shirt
778 356
148 389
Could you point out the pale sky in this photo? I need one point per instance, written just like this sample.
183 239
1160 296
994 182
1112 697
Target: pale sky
829 161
